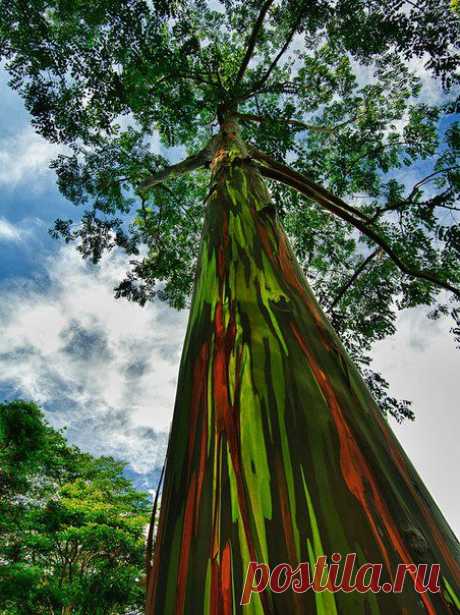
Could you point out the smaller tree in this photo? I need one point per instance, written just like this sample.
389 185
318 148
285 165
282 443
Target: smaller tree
22 448
71 526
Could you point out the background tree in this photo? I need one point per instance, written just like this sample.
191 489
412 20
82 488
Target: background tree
249 93
71 526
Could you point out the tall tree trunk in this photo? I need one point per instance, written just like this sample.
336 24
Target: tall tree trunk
277 451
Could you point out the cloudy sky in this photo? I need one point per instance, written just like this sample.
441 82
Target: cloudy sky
106 369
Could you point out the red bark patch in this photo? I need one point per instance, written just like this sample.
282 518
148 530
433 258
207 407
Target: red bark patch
357 473
187 531
226 580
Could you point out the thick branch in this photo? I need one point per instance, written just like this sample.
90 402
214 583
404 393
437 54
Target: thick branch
316 192
186 166
253 40
349 283
338 207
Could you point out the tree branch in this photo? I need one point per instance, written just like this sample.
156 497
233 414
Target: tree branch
316 192
349 283
282 51
409 199
413 4
186 166
428 178
277 88
297 123
335 205
253 40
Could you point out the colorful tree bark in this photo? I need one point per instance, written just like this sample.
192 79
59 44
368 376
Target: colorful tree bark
277 451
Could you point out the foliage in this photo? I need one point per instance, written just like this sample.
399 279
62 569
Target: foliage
107 78
71 526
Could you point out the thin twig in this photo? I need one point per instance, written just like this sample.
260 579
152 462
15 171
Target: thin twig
349 283
429 178
408 200
282 51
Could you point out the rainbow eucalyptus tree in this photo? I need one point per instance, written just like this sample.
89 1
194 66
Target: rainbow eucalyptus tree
266 153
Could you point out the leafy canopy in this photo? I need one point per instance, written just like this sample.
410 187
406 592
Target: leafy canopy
71 526
322 86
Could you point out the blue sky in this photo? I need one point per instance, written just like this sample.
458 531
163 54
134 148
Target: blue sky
66 343
107 369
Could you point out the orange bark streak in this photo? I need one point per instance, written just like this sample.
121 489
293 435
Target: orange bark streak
214 603
226 580
355 471
226 418
202 464
284 509
199 379
283 261
185 549
222 405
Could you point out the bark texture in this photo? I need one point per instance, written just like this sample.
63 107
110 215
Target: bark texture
277 451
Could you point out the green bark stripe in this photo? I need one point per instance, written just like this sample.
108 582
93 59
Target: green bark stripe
282 454
451 596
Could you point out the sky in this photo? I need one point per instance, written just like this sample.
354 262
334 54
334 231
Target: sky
106 369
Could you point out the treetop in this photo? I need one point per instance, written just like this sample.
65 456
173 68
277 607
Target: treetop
362 162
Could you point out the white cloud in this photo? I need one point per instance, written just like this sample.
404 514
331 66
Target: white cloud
25 157
24 229
431 92
107 370
104 368
422 364
9 232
